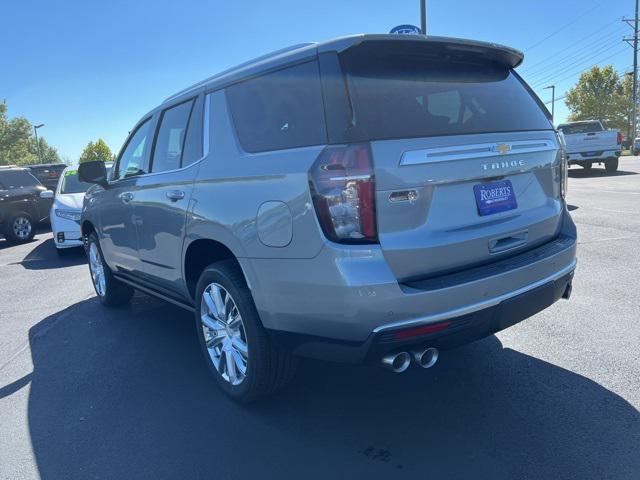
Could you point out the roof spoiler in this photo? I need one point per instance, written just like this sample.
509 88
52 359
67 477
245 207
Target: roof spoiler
493 51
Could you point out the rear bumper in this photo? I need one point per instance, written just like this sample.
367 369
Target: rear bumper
349 296
594 156
443 334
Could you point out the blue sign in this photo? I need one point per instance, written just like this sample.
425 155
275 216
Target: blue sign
406 30
495 197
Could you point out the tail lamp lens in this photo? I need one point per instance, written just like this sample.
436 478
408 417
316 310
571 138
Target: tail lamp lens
343 190
563 165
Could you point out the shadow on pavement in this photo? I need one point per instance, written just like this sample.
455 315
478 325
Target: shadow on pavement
45 257
123 393
597 172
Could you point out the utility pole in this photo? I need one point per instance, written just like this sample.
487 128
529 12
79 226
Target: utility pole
634 94
423 16
553 99
35 131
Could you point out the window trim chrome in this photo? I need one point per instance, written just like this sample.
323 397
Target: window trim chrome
205 146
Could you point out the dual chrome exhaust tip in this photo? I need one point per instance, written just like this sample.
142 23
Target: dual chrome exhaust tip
398 362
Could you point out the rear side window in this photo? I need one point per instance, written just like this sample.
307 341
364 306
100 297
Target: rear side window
193 141
167 153
279 110
17 179
400 94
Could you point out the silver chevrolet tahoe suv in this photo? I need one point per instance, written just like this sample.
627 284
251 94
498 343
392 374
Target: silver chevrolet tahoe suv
374 198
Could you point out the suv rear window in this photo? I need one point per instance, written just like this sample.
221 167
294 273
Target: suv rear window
423 93
17 179
279 110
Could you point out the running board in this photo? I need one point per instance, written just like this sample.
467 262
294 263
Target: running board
155 293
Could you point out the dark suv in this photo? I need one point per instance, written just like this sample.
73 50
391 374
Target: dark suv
24 202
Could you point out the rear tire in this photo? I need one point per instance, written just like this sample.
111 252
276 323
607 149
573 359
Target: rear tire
110 291
611 165
267 367
20 228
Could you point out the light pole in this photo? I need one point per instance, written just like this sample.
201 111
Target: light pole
553 99
35 131
423 16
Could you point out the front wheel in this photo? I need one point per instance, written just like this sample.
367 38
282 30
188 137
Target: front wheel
110 290
611 165
20 228
242 358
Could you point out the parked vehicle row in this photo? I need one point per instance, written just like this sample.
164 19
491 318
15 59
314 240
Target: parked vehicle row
367 199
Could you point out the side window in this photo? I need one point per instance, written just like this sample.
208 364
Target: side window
279 110
167 153
193 142
131 161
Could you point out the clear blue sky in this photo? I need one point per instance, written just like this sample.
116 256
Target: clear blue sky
91 69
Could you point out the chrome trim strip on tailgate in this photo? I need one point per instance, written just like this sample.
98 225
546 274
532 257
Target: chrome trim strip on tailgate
458 312
478 150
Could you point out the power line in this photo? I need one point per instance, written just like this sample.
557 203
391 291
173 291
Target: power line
544 75
539 84
566 25
608 36
556 99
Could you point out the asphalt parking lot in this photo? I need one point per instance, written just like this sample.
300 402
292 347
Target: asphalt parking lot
87 392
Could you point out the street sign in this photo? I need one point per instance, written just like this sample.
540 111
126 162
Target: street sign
406 30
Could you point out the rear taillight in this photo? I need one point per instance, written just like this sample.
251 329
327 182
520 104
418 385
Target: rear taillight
343 190
563 165
619 138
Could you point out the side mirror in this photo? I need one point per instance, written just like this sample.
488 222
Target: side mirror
46 194
93 172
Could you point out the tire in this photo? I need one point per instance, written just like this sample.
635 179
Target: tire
587 166
110 291
611 165
267 367
20 228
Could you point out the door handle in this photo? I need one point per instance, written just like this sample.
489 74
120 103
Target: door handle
175 195
126 197
503 244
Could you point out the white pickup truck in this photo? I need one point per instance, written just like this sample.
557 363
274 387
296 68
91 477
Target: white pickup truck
588 142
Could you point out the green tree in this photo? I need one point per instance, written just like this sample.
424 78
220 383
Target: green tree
96 151
18 144
48 154
601 94
15 139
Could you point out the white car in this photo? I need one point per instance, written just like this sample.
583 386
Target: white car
66 209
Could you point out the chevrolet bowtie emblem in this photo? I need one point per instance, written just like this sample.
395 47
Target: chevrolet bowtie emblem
502 148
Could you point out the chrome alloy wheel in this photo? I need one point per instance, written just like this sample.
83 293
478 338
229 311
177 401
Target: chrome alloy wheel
224 333
97 269
22 228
